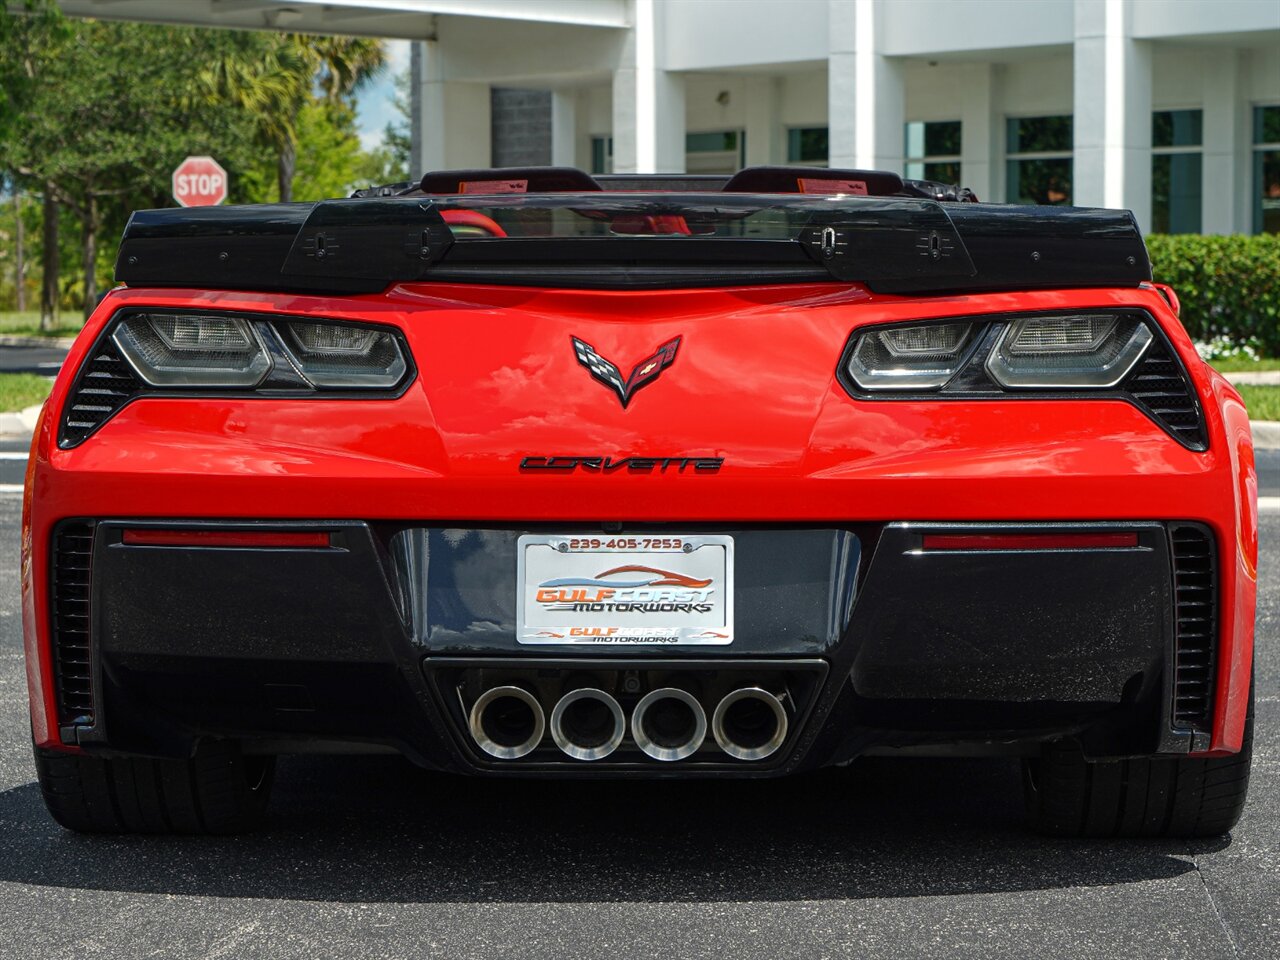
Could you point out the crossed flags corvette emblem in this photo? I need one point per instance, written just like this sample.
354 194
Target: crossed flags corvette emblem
607 373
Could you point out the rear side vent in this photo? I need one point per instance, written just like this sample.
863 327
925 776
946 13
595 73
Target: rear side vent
1195 581
69 583
106 383
1160 387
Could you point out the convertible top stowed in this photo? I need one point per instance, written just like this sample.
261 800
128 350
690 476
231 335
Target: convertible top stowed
561 227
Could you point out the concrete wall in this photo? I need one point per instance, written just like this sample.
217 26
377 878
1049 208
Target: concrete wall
714 34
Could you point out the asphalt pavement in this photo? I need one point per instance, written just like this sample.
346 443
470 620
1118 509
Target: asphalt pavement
369 857
32 358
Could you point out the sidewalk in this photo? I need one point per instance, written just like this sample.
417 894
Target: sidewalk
15 426
1263 378
1266 433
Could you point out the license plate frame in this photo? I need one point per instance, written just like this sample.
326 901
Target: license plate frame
597 607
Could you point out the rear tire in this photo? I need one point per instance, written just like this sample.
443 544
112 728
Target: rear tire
1069 796
218 791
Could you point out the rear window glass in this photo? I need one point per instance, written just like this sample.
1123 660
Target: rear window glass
605 215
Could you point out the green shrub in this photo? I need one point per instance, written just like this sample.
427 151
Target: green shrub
1229 286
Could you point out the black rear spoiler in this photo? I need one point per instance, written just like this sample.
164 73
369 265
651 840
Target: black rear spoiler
892 244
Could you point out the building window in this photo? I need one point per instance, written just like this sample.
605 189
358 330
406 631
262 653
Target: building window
718 151
1266 169
1038 152
933 151
1176 139
807 146
602 154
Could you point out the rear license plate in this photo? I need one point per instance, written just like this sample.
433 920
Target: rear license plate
670 590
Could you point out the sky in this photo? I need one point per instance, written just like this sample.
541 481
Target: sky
374 103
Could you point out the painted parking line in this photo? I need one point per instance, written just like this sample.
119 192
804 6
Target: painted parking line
9 489
1269 504
13 454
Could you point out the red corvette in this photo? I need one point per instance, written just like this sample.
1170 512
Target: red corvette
527 473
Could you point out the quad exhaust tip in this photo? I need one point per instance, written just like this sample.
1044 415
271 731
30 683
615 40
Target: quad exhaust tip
507 722
669 724
587 724
750 724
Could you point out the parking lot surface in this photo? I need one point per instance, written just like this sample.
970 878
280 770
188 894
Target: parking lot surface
369 857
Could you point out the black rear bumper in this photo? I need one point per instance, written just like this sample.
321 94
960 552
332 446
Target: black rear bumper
353 644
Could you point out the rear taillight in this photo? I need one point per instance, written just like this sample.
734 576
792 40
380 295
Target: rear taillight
257 539
1091 354
160 353
1030 541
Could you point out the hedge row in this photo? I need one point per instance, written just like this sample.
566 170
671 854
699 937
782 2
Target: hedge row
1229 286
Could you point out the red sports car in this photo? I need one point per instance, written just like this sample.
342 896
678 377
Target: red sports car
529 473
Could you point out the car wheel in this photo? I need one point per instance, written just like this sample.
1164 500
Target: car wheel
218 791
1069 796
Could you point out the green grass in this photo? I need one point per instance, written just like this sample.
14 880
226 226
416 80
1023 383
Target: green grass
27 323
1263 402
21 390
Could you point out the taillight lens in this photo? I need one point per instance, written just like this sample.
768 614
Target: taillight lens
339 355
1083 351
915 357
1067 352
182 350
227 352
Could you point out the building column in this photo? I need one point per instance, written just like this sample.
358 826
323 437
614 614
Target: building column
564 128
763 122
866 95
842 62
1112 111
648 101
979 129
450 120
1225 172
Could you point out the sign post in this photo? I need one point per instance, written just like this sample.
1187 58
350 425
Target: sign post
199 182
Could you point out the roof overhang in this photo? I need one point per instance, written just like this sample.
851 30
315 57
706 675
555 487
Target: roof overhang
408 19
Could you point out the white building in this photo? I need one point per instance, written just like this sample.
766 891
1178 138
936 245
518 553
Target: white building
1168 107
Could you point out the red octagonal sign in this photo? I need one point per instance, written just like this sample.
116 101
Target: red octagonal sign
199 182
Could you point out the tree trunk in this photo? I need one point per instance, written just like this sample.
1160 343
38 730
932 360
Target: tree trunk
51 265
90 222
285 165
21 253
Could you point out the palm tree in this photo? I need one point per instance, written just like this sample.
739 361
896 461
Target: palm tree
273 76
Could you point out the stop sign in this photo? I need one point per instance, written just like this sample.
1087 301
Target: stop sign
199 182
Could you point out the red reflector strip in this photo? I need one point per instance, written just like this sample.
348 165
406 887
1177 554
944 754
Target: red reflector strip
1028 541
224 538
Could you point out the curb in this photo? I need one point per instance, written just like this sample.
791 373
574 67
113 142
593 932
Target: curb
14 340
1261 378
23 423
1266 434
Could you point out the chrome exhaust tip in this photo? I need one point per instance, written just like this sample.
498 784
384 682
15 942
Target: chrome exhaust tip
507 722
669 724
750 724
587 724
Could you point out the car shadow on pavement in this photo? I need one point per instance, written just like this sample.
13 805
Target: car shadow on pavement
374 829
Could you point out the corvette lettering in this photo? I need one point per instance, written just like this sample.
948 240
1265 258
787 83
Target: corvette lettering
630 464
